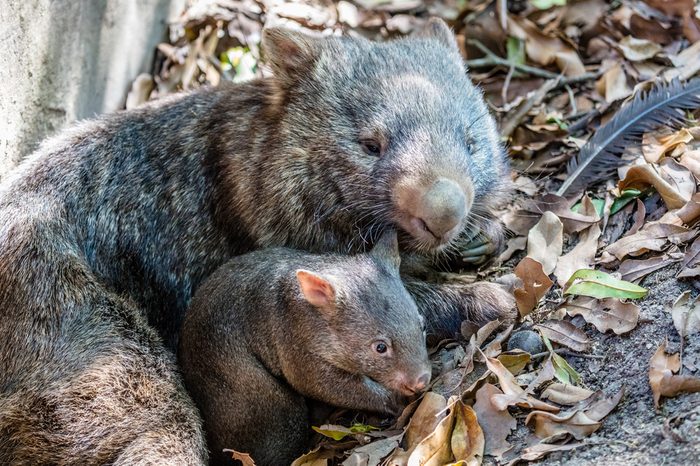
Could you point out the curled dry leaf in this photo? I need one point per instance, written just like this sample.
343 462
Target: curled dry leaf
653 237
535 285
572 221
496 424
606 314
428 415
244 458
515 361
583 254
686 315
638 49
654 148
543 449
691 261
457 437
512 246
513 394
580 421
675 193
565 333
566 394
662 378
545 241
613 84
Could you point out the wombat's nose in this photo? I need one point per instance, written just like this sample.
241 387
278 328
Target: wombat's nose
443 207
418 385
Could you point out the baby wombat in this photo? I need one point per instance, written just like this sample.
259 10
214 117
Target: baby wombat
271 329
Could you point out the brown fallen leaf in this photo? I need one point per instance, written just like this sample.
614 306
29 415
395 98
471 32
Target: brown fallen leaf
612 85
244 458
686 315
689 214
428 415
632 270
545 241
541 450
691 259
513 245
638 49
496 424
513 394
467 441
514 360
565 333
606 314
572 221
653 237
566 394
575 423
654 148
373 453
662 378
642 176
583 254
434 450
580 421
535 285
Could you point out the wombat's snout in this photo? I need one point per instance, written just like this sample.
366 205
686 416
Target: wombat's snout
417 385
434 213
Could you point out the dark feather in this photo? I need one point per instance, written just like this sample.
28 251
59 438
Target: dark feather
663 105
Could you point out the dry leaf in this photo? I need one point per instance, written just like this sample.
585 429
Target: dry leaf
653 237
638 49
496 424
428 415
513 394
545 241
642 176
467 440
606 314
512 246
686 315
372 453
654 148
583 254
662 378
572 221
613 84
244 458
566 394
543 449
633 270
535 285
565 333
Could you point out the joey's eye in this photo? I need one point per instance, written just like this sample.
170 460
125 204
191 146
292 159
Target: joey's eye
470 145
380 347
371 147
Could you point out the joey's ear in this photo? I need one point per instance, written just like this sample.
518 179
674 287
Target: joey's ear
290 53
387 249
436 29
317 290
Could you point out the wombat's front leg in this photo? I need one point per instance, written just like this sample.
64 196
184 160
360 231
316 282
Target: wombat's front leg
446 305
476 245
340 388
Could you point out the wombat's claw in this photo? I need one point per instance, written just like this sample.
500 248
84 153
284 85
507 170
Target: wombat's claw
478 250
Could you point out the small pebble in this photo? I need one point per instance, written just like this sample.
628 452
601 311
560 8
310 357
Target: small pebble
526 340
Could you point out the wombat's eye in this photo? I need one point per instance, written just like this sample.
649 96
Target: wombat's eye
371 147
380 347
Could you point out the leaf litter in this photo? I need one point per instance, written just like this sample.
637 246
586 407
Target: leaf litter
599 104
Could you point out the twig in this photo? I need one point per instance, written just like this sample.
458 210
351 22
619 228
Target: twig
566 352
491 59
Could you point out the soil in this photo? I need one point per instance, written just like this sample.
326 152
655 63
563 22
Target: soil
635 433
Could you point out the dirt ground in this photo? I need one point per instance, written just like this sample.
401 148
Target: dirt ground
635 433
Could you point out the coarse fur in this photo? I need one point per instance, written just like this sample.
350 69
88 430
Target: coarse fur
108 229
256 347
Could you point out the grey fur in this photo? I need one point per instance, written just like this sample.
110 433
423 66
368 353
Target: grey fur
252 349
108 229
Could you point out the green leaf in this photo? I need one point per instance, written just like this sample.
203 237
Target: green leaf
596 284
627 196
515 49
337 432
546 4
599 205
562 370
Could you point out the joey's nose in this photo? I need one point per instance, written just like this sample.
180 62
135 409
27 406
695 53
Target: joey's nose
442 207
418 385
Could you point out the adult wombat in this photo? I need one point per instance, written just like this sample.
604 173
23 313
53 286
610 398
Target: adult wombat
107 230
271 328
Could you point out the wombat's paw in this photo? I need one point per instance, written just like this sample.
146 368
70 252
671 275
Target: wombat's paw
478 246
489 301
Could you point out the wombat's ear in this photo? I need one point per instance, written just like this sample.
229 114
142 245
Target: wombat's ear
317 290
436 29
290 53
387 249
